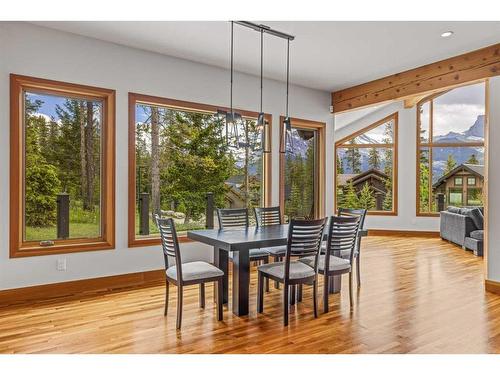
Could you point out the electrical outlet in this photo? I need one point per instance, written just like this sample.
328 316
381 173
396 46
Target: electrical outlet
61 264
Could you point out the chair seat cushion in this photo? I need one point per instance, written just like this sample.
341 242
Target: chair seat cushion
477 235
336 263
298 270
276 250
195 271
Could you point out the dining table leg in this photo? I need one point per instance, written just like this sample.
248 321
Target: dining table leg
221 260
241 282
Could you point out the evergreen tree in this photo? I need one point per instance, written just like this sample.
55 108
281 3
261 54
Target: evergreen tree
450 164
366 197
351 199
424 180
352 158
340 165
473 159
374 159
387 204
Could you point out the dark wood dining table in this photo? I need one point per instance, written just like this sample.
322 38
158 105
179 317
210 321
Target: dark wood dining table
239 241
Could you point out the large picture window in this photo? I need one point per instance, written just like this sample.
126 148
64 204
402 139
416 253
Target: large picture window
450 149
366 168
62 167
180 155
302 169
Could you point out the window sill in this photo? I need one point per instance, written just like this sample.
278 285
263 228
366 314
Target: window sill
66 247
153 241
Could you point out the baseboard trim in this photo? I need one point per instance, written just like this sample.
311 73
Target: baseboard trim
492 286
402 233
80 287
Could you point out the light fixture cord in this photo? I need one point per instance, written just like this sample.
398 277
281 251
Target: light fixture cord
261 64
287 73
231 91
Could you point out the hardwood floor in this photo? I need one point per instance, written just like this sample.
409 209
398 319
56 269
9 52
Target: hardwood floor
419 295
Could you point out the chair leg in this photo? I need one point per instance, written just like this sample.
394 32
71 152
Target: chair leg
358 274
219 299
276 284
260 292
293 289
315 298
325 293
299 293
286 290
202 295
350 289
266 261
167 287
179 306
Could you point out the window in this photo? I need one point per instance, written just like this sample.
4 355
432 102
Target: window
450 126
302 169
178 152
62 167
455 197
474 197
366 168
471 181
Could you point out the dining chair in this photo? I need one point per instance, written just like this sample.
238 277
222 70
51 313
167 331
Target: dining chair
342 236
271 216
357 254
238 218
184 274
304 240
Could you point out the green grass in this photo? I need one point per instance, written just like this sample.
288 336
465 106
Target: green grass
76 230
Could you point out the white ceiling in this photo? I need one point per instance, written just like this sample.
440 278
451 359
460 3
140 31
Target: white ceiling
325 55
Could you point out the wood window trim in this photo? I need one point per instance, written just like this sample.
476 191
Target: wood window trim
133 99
341 144
458 178
469 184
17 246
430 144
320 127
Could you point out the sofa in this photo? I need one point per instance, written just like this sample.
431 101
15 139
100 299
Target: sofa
464 227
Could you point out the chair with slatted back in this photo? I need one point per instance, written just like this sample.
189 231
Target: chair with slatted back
233 218
362 232
183 274
342 235
304 240
270 216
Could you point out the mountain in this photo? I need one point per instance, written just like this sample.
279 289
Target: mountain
440 154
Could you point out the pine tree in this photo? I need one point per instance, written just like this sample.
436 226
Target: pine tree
473 159
352 158
387 204
351 199
366 197
450 164
374 159
424 180
340 166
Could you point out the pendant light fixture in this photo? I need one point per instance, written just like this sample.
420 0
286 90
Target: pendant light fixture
233 118
286 132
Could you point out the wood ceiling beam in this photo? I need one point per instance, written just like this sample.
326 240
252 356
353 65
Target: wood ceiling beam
455 71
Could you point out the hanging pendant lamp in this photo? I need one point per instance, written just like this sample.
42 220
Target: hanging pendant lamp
286 132
262 123
232 118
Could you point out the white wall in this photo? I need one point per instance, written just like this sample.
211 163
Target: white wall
407 133
40 52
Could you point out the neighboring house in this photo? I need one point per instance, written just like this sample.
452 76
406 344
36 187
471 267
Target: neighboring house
373 177
234 197
462 186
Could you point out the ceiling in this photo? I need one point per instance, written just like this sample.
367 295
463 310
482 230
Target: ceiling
325 55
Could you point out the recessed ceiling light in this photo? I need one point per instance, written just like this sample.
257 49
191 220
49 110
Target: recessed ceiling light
447 34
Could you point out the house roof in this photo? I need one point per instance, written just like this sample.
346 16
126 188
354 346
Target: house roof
367 174
475 169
